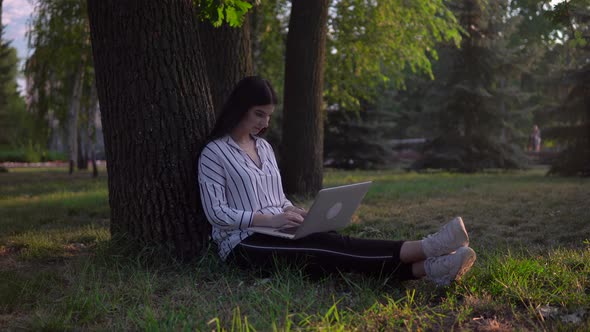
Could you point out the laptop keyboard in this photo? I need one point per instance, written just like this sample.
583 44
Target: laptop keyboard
289 230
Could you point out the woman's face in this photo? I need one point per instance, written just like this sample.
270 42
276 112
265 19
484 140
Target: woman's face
256 119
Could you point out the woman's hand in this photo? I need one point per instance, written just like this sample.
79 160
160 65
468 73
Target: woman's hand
285 219
297 210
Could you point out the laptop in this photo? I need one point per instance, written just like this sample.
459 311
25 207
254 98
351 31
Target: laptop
332 210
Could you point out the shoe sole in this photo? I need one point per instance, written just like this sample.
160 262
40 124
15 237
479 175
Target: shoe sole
467 260
457 228
462 226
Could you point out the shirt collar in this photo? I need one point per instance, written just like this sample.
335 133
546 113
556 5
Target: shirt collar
230 141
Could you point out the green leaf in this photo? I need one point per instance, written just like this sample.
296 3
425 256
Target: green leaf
232 17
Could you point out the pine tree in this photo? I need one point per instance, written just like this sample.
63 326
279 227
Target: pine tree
469 105
374 47
5 71
359 140
572 116
12 115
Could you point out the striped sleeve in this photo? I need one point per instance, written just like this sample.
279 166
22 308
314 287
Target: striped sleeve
212 185
271 157
284 201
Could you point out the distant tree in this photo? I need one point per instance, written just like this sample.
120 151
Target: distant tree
60 75
269 23
359 140
302 143
13 118
373 48
571 117
470 103
374 45
228 57
5 68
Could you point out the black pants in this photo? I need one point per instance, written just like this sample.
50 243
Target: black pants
324 253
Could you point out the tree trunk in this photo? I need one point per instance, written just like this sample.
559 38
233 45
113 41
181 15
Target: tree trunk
255 17
156 113
93 111
228 57
82 147
503 134
73 117
303 134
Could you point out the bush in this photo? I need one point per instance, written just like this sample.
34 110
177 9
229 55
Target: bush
53 156
13 155
29 154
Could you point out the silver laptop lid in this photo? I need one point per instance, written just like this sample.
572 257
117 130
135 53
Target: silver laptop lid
333 208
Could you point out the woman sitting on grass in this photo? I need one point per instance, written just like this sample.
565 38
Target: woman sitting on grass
241 187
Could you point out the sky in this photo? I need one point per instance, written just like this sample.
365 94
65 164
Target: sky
15 14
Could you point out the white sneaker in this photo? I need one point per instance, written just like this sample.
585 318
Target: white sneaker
444 269
451 237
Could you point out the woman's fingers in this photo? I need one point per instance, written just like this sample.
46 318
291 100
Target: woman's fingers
293 216
297 210
302 212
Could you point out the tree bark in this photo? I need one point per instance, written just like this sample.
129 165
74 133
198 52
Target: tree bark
73 116
156 112
228 58
93 111
3 140
303 134
82 162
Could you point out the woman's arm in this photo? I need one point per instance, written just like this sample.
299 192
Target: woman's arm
212 185
286 204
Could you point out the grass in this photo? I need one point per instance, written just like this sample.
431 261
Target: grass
60 271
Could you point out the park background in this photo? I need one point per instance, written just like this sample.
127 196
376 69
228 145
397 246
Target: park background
432 100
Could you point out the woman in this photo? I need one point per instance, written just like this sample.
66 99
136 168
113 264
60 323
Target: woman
535 140
241 187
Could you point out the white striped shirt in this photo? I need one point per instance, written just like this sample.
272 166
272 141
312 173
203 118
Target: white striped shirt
233 188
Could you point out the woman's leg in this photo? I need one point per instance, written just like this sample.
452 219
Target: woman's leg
412 252
443 256
426 255
441 269
324 253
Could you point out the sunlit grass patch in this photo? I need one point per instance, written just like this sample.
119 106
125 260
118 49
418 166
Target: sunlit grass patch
513 287
52 243
52 170
59 196
63 208
31 182
49 217
558 277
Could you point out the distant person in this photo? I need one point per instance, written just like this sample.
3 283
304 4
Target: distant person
241 187
535 140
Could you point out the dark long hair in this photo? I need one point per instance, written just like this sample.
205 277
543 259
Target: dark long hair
250 91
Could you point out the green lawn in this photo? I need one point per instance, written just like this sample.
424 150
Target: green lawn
59 271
